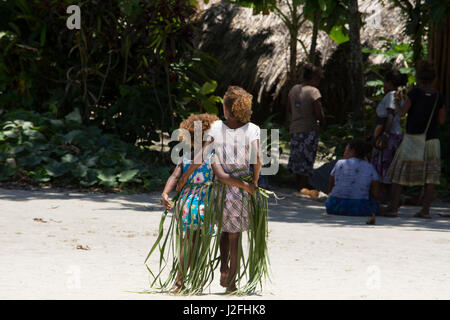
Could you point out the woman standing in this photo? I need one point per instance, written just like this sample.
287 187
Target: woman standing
388 132
418 159
305 107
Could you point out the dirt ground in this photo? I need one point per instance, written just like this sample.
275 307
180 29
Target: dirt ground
44 234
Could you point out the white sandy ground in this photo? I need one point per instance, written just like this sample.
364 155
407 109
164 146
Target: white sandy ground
313 256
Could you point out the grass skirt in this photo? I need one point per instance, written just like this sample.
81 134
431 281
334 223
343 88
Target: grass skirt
252 262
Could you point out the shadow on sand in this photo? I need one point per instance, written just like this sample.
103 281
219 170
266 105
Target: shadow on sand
294 209
291 209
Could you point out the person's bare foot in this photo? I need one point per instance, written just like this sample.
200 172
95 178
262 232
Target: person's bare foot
388 212
178 287
372 220
224 278
423 215
231 288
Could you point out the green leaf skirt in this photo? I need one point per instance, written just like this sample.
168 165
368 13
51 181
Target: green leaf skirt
253 261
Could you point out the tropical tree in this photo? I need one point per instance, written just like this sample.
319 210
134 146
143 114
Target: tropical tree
131 69
420 14
356 68
327 15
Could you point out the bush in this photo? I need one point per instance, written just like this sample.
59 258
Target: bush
131 69
65 152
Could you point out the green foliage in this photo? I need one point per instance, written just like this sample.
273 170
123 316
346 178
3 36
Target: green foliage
127 70
65 152
419 15
391 51
338 35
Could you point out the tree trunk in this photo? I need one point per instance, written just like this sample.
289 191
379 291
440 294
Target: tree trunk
438 53
417 46
293 33
356 73
312 51
293 56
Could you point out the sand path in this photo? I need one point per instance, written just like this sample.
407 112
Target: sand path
313 256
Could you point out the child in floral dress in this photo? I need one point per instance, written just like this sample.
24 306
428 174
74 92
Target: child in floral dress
191 180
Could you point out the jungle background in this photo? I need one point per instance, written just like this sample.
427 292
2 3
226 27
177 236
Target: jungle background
94 108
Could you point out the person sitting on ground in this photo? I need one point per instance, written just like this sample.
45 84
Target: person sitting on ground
354 183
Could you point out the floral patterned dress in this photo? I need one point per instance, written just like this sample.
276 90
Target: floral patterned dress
193 197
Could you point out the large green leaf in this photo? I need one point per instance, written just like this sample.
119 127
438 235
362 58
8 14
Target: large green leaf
31 160
68 138
374 83
107 177
12 134
128 175
40 175
56 169
80 170
91 161
108 162
208 87
338 35
69 158
90 179
57 123
33 134
6 172
210 104
17 149
74 116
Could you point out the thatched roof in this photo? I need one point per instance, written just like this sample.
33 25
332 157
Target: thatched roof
254 49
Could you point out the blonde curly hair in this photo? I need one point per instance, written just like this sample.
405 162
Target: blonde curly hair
207 120
239 102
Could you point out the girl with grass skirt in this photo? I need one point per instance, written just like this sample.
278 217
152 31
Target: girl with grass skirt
236 145
192 229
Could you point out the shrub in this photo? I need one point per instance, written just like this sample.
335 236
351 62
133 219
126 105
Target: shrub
65 152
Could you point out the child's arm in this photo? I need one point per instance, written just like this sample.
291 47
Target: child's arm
231 181
404 110
256 150
331 186
170 184
375 190
190 170
193 166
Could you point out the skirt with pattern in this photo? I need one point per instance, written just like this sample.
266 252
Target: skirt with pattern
419 172
303 152
382 159
351 207
235 216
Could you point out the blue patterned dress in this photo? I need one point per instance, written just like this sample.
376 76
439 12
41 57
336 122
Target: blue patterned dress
192 197
351 193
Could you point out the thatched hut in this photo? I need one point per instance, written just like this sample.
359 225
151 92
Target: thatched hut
253 51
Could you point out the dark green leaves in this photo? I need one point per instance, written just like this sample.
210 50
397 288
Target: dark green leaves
65 152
